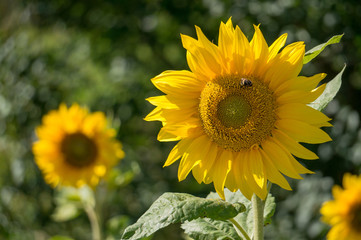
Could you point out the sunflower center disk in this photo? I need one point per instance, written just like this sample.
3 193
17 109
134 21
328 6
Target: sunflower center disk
237 112
233 111
79 150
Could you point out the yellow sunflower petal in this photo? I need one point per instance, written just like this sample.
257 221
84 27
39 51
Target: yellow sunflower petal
171 116
337 191
258 172
294 147
46 148
242 55
338 232
94 123
231 182
181 84
286 65
323 124
196 65
202 59
220 170
276 46
302 132
250 176
207 164
178 151
301 112
155 115
301 96
174 132
300 83
297 166
171 102
260 50
229 24
238 171
200 171
225 40
165 136
192 156
350 181
273 173
280 159
217 63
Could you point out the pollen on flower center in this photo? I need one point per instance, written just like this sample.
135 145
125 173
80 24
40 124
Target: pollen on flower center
237 112
233 111
78 150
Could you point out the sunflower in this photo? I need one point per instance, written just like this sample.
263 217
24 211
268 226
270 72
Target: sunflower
241 111
344 213
75 147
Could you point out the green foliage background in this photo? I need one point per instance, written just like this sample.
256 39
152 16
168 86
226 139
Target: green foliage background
102 54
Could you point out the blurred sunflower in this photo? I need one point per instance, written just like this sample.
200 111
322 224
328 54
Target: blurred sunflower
240 112
75 147
344 213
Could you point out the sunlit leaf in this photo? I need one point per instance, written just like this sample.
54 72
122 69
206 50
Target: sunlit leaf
314 52
179 208
245 219
330 92
209 229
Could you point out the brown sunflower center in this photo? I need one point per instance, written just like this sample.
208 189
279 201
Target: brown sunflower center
237 112
356 217
79 150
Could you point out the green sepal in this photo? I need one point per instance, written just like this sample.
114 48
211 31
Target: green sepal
329 93
314 52
178 208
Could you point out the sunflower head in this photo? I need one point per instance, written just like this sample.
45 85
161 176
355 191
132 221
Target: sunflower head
241 112
75 147
344 212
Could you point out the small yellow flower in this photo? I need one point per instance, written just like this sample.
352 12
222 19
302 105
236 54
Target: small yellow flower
75 147
240 112
344 213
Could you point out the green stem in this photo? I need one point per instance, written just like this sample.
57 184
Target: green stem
258 208
236 224
94 222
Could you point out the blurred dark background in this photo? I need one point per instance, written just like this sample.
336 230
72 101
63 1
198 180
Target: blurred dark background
102 54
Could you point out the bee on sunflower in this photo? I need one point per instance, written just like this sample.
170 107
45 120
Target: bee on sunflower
241 111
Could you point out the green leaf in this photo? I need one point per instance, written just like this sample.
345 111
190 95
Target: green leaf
209 229
179 207
245 219
311 54
269 209
330 92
